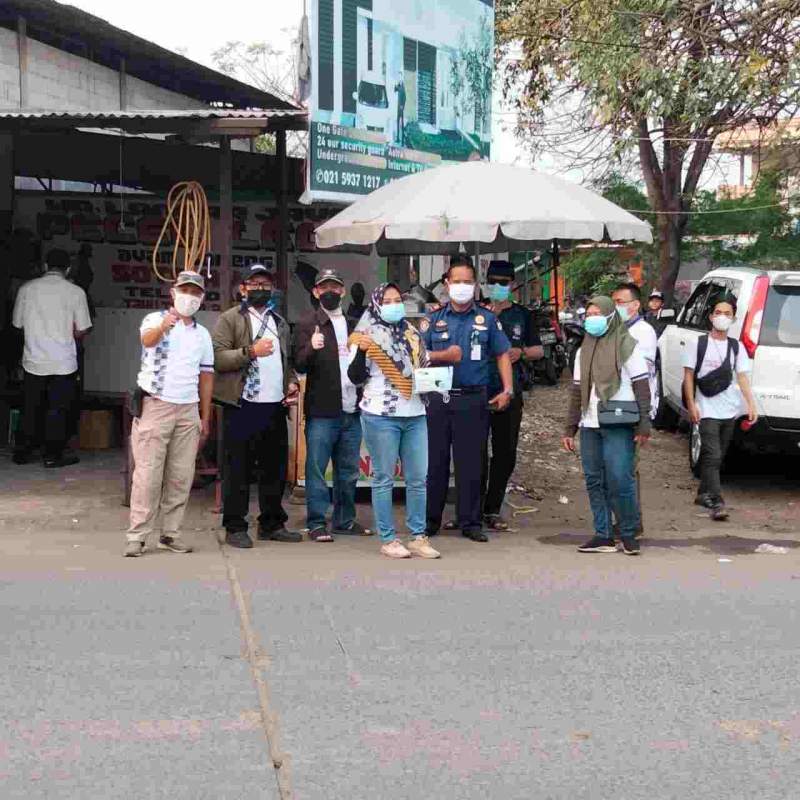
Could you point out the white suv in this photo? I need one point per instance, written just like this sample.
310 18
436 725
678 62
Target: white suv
768 327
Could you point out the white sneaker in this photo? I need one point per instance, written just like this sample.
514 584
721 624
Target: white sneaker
421 546
395 549
134 549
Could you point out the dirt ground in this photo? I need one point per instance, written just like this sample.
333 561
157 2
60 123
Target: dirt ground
762 493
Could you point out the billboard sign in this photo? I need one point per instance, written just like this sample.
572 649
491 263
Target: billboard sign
397 86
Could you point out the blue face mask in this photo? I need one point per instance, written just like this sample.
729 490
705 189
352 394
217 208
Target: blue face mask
624 313
393 313
499 293
595 326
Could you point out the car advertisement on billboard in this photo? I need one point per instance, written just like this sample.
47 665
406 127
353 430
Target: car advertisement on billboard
397 86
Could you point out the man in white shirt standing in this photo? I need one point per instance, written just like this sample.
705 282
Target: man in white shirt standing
255 384
628 299
53 314
175 382
717 391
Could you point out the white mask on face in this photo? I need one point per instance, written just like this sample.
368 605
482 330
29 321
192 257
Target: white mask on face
461 293
187 304
721 322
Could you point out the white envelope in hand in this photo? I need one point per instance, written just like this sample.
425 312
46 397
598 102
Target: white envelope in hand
433 379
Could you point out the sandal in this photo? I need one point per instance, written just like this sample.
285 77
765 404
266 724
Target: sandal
320 535
494 522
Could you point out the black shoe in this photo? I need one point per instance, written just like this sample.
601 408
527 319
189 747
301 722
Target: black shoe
719 513
61 461
476 536
704 500
238 539
598 545
21 457
279 535
355 528
630 546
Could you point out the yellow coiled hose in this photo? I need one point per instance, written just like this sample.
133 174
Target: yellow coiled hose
189 221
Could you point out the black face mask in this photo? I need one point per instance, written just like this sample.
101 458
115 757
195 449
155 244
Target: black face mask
259 297
330 300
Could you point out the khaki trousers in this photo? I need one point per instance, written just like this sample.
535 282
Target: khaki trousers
164 441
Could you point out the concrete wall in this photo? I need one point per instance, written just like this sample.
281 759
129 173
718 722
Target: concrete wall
61 81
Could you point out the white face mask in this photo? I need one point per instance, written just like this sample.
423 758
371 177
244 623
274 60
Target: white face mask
721 322
461 293
187 304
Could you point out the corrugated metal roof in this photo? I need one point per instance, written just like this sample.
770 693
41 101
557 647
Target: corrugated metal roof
157 114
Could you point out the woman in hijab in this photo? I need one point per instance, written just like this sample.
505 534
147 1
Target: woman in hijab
610 404
385 351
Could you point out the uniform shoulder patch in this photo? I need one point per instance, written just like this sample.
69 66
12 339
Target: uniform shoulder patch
424 325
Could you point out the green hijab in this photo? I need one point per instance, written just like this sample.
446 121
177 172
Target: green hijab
602 357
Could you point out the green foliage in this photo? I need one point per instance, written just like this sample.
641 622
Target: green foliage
590 271
598 81
744 215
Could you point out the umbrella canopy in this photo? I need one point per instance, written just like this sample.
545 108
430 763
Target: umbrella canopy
480 206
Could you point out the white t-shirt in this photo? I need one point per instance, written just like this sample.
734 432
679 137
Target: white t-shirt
647 345
635 368
349 396
171 370
50 309
729 404
270 368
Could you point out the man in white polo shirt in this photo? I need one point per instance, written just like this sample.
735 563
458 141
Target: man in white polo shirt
176 376
53 313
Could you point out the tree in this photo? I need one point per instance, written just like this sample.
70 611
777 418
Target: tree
659 80
271 70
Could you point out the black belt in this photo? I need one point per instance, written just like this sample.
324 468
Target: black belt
467 390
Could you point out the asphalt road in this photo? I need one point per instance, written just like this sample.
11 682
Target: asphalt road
517 669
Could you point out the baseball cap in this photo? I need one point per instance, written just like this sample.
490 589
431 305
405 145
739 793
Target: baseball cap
257 269
188 277
501 269
656 293
328 275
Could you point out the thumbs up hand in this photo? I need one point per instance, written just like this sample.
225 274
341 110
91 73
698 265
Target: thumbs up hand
317 339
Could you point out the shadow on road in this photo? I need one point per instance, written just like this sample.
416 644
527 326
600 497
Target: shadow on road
721 545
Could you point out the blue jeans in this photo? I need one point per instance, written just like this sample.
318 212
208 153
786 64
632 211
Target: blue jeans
387 438
608 455
336 439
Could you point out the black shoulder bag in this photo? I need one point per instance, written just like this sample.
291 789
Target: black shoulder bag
719 379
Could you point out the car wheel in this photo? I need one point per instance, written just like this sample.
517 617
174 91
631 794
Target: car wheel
665 417
694 449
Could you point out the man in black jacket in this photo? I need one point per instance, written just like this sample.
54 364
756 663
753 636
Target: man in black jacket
333 426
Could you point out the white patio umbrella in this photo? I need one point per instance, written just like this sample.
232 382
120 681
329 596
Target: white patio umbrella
478 207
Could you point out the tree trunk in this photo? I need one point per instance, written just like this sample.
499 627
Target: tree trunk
669 256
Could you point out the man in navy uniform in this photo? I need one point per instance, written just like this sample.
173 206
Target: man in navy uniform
520 329
469 338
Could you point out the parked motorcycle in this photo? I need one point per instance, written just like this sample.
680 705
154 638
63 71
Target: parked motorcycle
550 367
573 336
